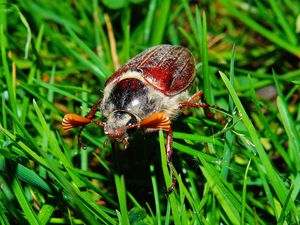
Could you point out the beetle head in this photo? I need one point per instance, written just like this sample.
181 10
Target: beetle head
117 124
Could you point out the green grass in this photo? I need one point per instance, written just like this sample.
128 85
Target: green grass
242 167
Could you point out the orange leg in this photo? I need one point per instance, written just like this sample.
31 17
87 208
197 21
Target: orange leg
71 121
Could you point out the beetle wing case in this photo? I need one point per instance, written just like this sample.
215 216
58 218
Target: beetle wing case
168 68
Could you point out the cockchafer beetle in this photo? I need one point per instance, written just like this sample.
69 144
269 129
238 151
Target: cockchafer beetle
148 92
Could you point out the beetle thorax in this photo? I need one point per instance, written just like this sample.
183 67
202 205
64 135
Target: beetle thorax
130 95
130 99
124 104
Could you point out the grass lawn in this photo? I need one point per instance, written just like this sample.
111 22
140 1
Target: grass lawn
240 167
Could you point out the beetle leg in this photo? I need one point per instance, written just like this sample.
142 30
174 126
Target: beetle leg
156 121
90 115
71 121
193 102
169 149
169 145
94 109
196 97
160 120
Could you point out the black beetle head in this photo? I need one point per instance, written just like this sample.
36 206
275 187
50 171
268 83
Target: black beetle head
117 124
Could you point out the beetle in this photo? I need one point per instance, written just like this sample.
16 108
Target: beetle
148 92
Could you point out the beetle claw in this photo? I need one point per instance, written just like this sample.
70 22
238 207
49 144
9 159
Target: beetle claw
125 142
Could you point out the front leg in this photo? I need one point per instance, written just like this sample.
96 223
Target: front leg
94 109
71 121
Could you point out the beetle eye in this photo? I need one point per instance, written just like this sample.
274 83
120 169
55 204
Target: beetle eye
139 70
131 122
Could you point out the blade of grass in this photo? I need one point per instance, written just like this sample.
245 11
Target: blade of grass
192 200
82 200
271 36
269 133
94 58
56 89
289 125
126 15
21 197
244 195
291 131
8 77
275 180
229 135
283 22
224 196
168 180
3 16
188 37
38 9
32 74
28 30
266 186
97 71
193 152
46 212
23 146
198 138
283 212
168 213
228 198
26 175
121 192
103 47
149 20
158 30
156 196
35 94
84 112
192 23
3 113
205 72
3 217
